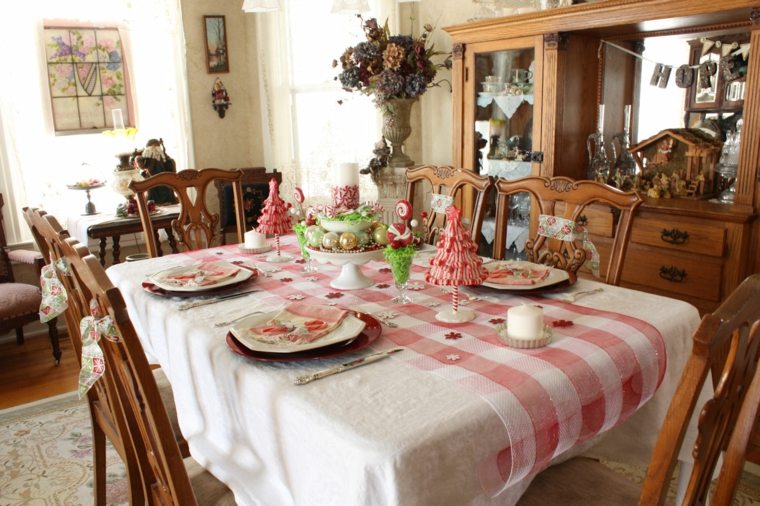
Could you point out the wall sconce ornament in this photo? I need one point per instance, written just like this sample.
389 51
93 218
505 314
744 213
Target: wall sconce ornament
220 100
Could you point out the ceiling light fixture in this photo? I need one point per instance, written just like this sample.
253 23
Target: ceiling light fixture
349 6
260 5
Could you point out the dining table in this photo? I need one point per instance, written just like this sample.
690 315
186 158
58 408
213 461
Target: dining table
456 417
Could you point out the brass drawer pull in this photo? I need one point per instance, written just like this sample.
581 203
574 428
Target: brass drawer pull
674 236
672 273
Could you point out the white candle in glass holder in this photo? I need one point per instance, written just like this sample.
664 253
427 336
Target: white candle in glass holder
347 175
254 240
525 322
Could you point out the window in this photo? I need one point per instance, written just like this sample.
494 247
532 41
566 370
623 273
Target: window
330 125
36 165
87 78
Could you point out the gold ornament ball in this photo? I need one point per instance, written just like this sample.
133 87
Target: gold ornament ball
330 240
380 235
376 224
348 240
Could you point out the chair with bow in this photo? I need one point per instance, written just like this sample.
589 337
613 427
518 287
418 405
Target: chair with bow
20 302
448 185
196 227
156 462
51 238
567 210
726 346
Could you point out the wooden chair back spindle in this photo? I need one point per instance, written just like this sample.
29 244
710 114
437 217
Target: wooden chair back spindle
461 184
574 199
196 227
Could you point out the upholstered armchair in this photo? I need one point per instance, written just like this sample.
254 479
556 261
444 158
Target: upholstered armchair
20 302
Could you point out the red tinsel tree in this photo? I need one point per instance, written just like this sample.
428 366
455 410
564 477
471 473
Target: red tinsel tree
456 262
274 218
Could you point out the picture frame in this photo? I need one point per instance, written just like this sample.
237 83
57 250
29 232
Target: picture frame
217 54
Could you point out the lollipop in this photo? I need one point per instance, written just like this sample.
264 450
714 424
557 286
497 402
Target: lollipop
404 209
399 235
298 195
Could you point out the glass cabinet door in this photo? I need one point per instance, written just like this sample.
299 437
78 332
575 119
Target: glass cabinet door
503 124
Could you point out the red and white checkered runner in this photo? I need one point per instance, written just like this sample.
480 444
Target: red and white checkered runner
594 375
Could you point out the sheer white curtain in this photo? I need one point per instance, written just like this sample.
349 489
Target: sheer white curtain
35 164
307 131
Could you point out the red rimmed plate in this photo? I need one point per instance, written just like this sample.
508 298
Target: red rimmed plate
371 332
151 288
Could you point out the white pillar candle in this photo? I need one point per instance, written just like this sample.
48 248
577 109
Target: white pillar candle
525 322
254 240
347 175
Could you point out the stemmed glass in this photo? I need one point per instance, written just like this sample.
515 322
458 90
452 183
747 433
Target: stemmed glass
400 260
300 230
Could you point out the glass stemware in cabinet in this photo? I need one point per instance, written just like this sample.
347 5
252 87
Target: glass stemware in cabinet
598 161
729 162
625 168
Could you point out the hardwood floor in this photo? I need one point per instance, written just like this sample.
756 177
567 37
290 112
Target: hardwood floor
28 373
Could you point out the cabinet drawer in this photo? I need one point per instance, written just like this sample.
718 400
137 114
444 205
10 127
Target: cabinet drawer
676 274
702 238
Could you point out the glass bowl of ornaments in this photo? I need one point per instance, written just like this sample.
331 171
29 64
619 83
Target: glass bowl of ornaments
347 238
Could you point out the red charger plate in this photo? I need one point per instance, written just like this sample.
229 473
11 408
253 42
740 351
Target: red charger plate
371 332
153 289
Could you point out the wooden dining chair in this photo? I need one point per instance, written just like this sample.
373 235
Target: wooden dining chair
196 227
726 345
602 209
467 190
255 188
20 302
51 236
163 476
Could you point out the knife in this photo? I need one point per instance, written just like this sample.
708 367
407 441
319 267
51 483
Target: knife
368 359
212 300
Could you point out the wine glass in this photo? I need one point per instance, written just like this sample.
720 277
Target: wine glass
300 230
400 260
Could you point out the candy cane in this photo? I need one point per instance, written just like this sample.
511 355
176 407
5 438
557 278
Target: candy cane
277 243
455 299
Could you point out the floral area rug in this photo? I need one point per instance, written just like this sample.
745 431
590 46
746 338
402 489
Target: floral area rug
46 456
46 459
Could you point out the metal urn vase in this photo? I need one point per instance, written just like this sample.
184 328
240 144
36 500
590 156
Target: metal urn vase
396 129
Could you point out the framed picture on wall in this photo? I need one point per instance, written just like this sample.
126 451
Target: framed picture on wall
217 57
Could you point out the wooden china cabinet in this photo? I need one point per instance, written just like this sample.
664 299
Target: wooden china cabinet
696 249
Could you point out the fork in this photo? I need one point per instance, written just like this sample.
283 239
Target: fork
238 318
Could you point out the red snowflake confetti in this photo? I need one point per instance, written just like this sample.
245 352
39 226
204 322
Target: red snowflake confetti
562 323
382 285
454 335
299 261
334 295
286 280
385 269
497 321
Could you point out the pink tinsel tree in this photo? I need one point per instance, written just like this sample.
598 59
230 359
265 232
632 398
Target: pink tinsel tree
456 263
275 217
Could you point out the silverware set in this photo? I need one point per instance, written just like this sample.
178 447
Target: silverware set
213 300
347 366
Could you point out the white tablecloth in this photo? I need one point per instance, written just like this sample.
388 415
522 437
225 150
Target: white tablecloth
382 434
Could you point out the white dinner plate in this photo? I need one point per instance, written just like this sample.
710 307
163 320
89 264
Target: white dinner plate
240 276
349 328
555 276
